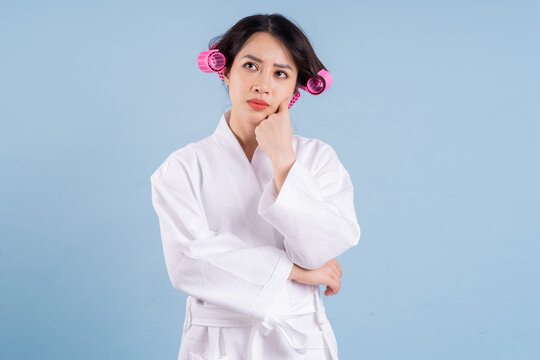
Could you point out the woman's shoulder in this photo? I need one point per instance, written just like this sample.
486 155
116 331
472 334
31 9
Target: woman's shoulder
316 154
184 158
312 147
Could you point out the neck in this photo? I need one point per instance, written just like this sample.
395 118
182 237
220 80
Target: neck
243 130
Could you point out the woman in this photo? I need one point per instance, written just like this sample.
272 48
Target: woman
253 216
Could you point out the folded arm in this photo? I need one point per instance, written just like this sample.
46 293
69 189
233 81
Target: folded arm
216 267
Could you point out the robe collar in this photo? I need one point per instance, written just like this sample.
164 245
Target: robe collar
258 171
225 136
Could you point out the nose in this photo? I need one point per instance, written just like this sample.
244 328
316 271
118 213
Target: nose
261 86
261 89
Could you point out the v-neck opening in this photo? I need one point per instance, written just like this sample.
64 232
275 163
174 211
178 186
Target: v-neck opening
253 156
259 166
250 162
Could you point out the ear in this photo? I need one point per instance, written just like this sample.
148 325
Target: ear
226 74
296 86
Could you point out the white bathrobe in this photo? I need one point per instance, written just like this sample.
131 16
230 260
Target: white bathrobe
230 241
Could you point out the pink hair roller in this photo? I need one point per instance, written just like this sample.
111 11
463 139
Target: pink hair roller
314 86
212 61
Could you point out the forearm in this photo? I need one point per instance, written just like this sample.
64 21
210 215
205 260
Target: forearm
281 169
315 214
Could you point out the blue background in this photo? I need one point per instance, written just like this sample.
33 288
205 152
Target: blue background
434 111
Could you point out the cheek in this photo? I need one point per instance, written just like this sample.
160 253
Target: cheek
237 86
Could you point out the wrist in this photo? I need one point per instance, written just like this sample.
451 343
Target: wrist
294 272
284 162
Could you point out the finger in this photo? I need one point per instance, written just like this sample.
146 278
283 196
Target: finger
329 291
337 266
334 267
338 269
336 272
334 284
335 290
337 285
331 269
284 105
336 277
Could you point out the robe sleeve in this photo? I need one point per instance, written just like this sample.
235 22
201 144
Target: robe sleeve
217 267
314 209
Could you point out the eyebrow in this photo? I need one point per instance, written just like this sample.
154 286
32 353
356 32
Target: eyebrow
283 66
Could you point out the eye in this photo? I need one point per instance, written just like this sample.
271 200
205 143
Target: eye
249 63
284 73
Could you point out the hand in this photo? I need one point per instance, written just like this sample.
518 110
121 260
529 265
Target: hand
329 274
274 134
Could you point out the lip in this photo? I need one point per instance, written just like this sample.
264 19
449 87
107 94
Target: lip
258 101
257 105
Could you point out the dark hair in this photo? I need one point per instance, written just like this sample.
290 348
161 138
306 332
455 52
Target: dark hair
292 37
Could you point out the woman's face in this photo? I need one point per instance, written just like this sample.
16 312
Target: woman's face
261 70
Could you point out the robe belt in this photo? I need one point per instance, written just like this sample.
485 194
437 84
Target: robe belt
211 315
